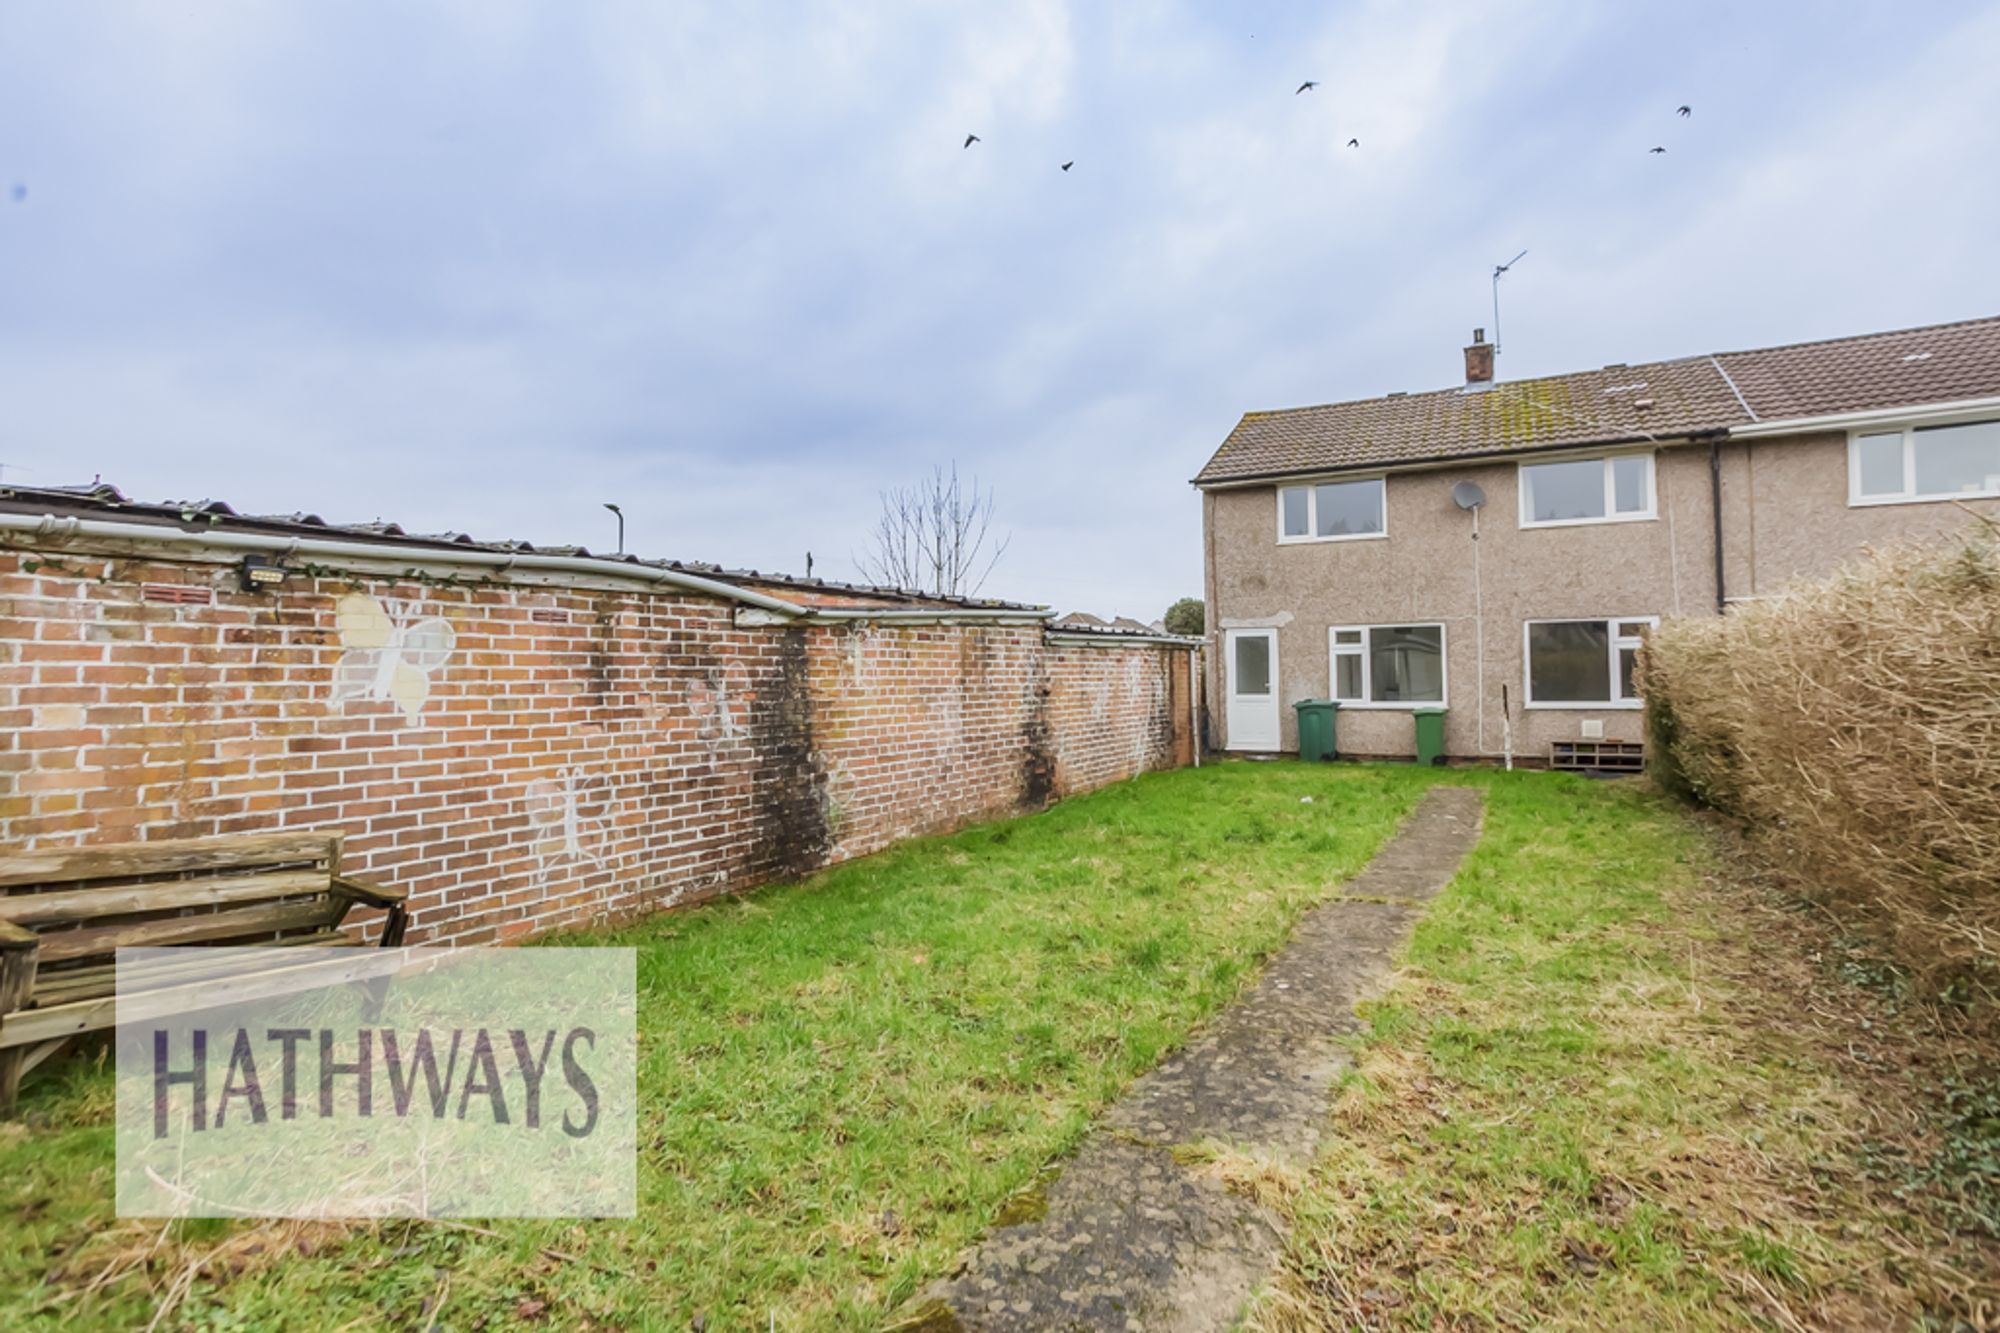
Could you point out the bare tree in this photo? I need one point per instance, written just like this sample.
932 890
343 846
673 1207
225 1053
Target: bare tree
934 537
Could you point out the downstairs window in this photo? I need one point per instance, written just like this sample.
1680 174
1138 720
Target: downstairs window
1582 663
1389 665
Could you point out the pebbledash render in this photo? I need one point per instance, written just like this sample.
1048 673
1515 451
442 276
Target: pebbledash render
1517 540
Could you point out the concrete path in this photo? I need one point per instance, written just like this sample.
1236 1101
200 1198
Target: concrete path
1133 1241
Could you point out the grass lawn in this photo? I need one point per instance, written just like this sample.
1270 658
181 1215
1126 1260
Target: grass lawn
1610 1090
842 1081
1616 1086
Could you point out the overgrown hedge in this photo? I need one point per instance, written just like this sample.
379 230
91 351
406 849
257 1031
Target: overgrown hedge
1854 727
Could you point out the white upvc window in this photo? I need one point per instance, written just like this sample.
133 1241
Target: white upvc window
1350 509
1598 488
1584 663
1902 465
1386 666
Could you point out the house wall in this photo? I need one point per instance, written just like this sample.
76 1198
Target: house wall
581 754
1785 516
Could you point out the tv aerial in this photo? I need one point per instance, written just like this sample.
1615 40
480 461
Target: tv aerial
1500 271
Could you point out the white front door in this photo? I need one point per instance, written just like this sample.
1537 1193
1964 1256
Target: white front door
1253 688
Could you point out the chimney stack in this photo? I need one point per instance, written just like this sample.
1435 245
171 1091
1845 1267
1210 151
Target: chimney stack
1479 359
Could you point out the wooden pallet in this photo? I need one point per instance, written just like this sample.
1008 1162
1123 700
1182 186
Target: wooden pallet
1597 756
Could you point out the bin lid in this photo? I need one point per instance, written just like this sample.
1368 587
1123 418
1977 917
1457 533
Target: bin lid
1316 703
1428 710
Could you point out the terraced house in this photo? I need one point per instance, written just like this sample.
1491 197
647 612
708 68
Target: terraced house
1503 548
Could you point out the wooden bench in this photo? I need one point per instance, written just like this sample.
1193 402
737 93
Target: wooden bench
66 911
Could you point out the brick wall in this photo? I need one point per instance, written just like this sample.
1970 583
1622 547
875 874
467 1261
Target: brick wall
548 755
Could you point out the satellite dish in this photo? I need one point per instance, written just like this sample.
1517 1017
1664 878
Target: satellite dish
1468 495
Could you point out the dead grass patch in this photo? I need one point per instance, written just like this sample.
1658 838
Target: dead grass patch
1267 1181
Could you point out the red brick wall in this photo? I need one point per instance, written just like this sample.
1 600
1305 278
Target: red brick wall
579 755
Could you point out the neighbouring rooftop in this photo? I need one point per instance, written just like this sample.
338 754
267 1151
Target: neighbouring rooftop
1082 622
1654 400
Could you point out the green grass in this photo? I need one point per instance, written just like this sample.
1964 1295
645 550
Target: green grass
1597 1098
842 1083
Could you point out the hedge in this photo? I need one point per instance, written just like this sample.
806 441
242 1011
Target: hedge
1853 726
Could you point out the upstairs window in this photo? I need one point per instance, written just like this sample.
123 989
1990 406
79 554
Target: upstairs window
1924 463
1585 663
1332 511
1389 665
1611 488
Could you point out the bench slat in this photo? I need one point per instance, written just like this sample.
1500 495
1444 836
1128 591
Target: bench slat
28 1026
34 909
65 865
215 926
83 983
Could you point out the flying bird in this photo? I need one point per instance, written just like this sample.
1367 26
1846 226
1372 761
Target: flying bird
1354 143
972 139
20 193
1307 86
1656 150
1067 165
1684 112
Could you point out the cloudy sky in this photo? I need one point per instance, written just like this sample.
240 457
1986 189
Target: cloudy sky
484 265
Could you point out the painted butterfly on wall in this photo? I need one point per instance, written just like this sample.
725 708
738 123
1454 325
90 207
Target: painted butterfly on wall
387 657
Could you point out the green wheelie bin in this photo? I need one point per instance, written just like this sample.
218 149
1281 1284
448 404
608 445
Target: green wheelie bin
1317 718
1430 734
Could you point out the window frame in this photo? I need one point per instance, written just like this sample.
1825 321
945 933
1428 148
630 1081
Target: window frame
1335 651
1311 487
1604 458
1909 495
1614 642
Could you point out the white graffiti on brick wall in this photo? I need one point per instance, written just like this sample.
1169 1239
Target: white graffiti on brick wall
387 656
570 815
716 702
861 644
1120 696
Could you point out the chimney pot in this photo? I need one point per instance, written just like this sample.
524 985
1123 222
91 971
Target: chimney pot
1479 359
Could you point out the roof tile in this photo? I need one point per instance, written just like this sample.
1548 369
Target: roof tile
1618 403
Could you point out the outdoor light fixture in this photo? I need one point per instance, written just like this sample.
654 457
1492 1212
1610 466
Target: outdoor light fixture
261 573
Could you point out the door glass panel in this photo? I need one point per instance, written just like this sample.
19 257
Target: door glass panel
1559 491
1879 458
1569 662
1253 664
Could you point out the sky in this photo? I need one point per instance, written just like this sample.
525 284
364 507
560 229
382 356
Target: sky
481 266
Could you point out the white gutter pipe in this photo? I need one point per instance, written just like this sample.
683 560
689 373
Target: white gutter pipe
1194 706
779 610
920 615
1871 417
48 525
1027 615
1087 639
